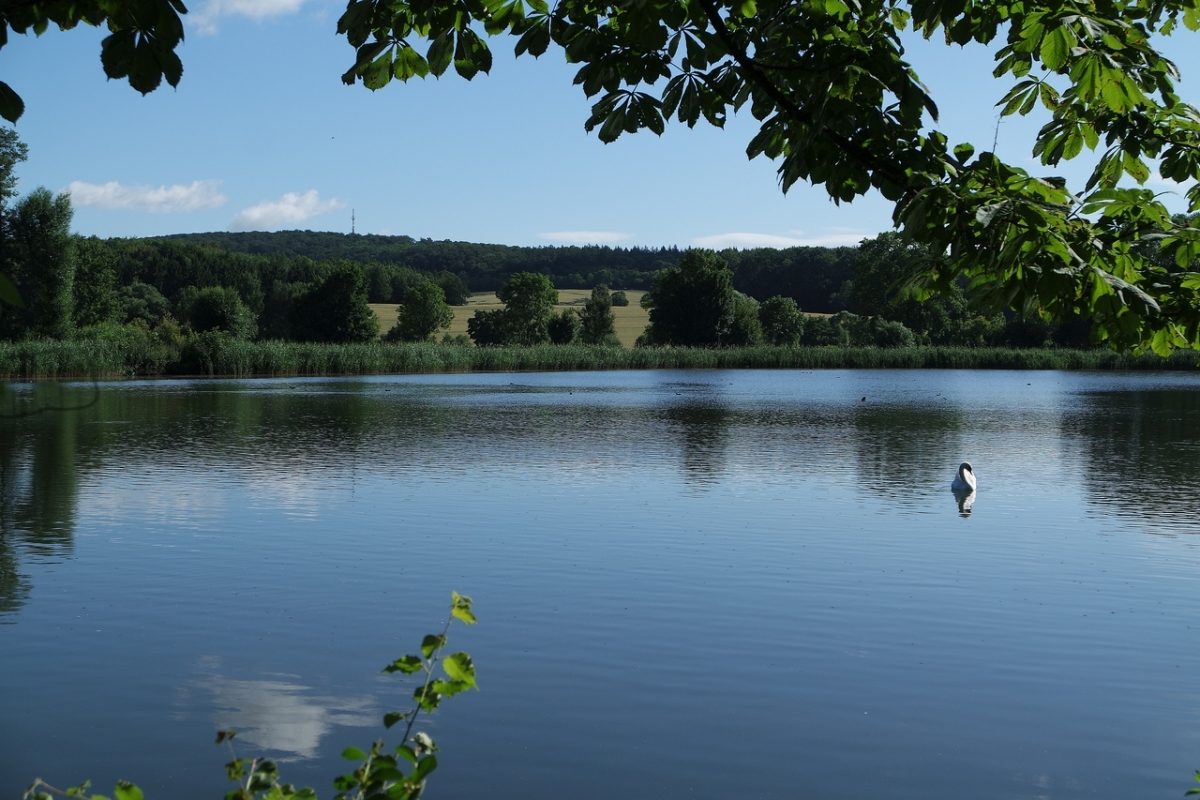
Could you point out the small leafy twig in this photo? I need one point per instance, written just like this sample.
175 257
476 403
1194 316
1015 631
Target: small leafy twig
380 772
40 790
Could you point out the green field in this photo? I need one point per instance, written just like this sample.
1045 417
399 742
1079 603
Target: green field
631 319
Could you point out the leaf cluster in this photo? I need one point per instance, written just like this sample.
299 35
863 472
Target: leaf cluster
140 47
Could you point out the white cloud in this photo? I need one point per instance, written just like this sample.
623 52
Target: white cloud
156 199
585 237
205 20
836 238
291 209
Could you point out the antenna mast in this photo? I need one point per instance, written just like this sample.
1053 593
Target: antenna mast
352 222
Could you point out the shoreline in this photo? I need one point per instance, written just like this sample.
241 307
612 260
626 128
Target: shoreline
54 360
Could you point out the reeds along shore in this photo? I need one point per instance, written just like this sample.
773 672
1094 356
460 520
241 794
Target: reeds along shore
37 360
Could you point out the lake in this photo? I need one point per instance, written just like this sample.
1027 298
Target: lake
749 584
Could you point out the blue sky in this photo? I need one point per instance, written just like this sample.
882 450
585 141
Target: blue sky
262 135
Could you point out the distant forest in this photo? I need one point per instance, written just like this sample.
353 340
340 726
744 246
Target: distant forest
817 278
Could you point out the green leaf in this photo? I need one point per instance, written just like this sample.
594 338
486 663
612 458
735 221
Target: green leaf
408 665
1136 168
1056 48
378 73
124 790
534 41
449 688
460 607
11 104
392 717
1072 146
353 754
425 766
460 667
440 52
748 8
1113 92
431 643
406 752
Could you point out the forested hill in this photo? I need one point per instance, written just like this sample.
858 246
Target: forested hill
816 277
484 267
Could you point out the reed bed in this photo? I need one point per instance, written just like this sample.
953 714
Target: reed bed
229 357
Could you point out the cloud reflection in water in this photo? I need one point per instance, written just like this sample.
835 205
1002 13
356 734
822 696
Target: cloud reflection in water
281 716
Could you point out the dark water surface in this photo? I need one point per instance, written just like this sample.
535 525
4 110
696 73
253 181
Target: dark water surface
689 584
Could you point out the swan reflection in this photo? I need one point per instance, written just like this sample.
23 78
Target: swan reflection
966 499
282 716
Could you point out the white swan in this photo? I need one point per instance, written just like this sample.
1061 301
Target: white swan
964 481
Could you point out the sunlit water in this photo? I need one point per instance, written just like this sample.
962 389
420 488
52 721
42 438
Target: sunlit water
689 584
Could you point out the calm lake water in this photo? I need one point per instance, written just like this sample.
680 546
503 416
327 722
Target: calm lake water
689 584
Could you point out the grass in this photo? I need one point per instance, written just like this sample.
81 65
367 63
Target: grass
631 320
50 360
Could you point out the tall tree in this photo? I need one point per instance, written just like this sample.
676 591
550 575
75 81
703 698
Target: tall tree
95 291
885 272
487 329
423 314
335 308
12 152
596 320
529 299
44 262
563 327
217 308
782 323
692 304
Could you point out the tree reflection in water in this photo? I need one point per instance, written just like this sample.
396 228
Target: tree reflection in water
38 485
1141 451
702 429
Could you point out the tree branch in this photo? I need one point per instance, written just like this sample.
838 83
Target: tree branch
851 148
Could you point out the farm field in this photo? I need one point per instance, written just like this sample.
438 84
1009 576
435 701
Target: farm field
631 320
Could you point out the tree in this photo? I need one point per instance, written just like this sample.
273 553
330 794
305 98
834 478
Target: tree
839 107
564 328
486 328
44 261
95 291
885 272
423 314
596 320
781 320
691 304
12 152
217 308
142 301
454 287
745 330
619 299
334 309
529 299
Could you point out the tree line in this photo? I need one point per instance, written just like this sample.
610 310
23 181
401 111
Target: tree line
306 286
